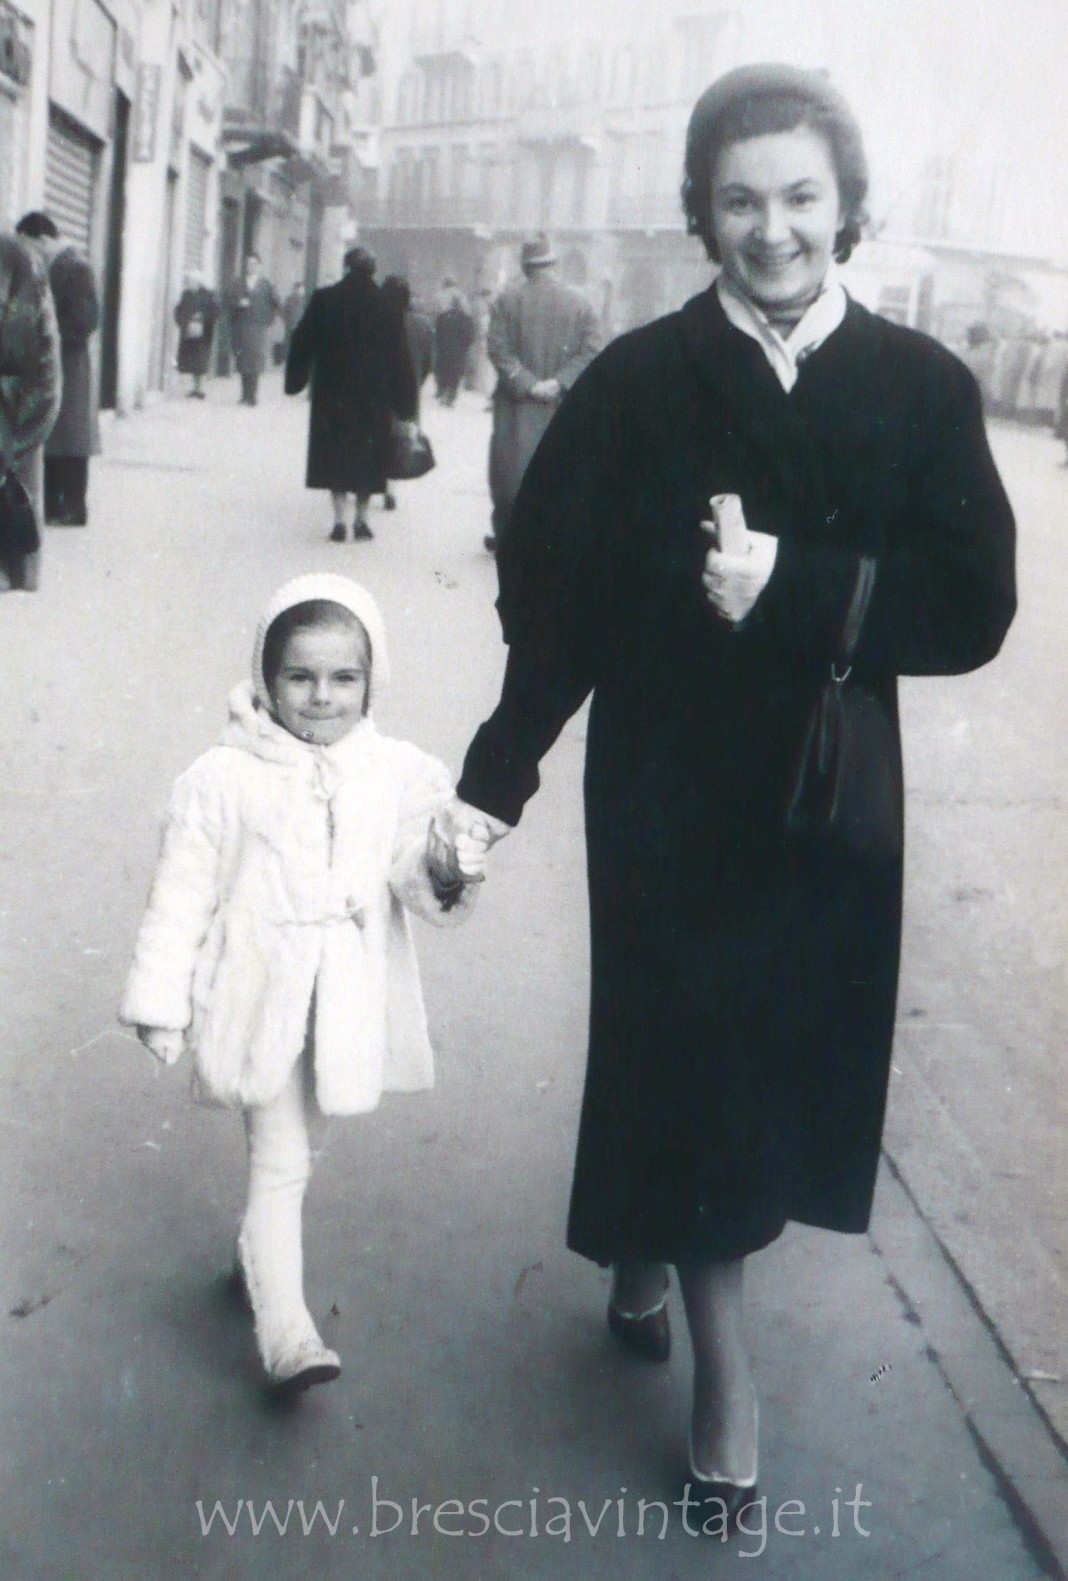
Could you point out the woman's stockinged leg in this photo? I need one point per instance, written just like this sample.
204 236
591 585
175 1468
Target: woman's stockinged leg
344 509
270 1243
723 1429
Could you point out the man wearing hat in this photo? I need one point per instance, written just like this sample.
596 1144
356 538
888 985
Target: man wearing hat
542 334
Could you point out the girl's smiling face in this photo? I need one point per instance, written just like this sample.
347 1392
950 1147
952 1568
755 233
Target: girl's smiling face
320 691
776 212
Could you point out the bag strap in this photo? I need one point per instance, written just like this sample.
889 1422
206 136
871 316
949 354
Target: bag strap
842 667
858 608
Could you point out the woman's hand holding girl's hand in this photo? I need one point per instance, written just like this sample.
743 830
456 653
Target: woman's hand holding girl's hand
460 839
165 1044
734 582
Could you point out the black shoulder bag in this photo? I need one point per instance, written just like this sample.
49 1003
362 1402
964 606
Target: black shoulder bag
847 793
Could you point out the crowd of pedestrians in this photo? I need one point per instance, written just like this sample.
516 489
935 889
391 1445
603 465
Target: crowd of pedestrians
1023 376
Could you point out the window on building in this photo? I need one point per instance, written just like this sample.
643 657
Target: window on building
894 303
580 190
464 86
433 94
702 39
487 161
408 98
432 165
590 73
623 71
458 161
936 198
558 87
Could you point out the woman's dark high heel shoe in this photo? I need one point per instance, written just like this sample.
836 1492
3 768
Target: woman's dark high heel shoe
734 1496
644 1334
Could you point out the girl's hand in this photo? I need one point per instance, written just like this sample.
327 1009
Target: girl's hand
734 582
165 1044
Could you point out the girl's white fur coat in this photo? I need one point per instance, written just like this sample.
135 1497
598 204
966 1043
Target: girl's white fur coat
286 870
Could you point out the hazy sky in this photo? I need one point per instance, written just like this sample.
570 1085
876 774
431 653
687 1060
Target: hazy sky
985 81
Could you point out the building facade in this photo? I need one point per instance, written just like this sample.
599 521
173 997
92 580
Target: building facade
173 136
572 119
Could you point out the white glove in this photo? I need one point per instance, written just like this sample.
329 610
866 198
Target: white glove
734 582
166 1045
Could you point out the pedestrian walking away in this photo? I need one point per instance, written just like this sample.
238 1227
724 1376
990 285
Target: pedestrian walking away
397 300
397 297
253 307
75 434
353 349
541 336
196 315
722 487
276 944
454 333
29 400
292 311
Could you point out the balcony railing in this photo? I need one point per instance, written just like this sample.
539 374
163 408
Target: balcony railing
647 211
436 213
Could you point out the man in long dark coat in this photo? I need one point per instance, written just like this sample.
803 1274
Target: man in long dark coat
254 306
542 334
75 435
454 331
356 354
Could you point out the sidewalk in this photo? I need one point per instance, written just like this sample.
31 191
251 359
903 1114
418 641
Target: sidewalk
477 1364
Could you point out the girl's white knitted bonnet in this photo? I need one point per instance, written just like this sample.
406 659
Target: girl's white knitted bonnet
338 590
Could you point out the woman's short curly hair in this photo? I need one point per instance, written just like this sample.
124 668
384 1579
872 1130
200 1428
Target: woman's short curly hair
753 101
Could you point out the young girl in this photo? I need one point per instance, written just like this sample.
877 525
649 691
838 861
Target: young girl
276 945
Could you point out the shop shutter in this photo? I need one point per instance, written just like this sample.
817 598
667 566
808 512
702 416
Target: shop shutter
70 180
196 210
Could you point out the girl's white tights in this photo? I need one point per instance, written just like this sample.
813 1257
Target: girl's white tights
280 1138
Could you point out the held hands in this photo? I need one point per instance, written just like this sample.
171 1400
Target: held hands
546 390
458 842
734 581
164 1044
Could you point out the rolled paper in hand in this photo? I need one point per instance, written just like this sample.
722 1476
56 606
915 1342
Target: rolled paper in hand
731 531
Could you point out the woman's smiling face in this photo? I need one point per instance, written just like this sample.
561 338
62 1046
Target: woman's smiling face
776 211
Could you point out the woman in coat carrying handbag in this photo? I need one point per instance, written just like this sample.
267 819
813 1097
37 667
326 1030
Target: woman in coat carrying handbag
745 926
355 353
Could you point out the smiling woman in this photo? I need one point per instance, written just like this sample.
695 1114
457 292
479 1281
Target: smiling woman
776 213
743 978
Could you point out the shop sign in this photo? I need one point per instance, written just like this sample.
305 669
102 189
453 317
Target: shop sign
146 114
83 62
